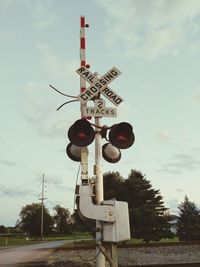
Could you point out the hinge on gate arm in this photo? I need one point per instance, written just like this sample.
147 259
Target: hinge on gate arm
113 215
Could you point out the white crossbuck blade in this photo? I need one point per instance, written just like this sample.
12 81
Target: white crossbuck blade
99 85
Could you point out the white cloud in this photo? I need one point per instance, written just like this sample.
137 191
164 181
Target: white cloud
5 4
16 191
36 109
163 135
7 162
181 162
151 28
56 66
40 110
195 47
196 98
124 110
41 13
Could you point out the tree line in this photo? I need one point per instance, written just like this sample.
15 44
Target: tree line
150 220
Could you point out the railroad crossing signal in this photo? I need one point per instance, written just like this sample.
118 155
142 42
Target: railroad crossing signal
82 134
99 85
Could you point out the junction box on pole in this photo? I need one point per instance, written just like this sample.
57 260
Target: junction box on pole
112 214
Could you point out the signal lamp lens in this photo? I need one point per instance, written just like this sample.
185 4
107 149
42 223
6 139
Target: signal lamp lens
81 133
121 139
82 136
121 135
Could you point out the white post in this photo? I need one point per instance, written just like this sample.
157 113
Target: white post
100 260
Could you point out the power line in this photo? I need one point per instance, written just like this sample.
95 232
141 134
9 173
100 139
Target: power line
11 149
20 159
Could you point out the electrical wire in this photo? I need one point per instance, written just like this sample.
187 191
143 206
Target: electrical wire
19 158
61 92
79 255
11 149
101 127
66 103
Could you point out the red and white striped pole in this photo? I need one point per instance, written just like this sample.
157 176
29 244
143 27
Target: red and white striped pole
84 151
82 52
82 56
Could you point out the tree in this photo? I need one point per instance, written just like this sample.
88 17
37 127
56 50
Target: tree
62 220
146 208
188 223
113 185
2 229
30 220
81 223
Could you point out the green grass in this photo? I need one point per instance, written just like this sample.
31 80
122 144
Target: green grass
163 240
89 243
13 241
69 237
20 240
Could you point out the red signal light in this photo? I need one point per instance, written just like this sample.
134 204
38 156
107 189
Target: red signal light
121 139
81 133
82 136
121 135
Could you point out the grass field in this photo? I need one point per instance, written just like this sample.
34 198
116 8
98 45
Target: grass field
10 240
20 240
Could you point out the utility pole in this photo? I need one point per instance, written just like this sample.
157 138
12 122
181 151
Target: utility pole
42 207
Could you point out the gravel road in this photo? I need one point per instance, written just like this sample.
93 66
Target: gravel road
130 256
28 253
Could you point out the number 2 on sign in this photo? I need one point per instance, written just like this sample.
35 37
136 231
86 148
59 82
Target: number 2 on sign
99 103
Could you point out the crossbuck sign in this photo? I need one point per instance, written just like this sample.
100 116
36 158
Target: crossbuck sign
99 85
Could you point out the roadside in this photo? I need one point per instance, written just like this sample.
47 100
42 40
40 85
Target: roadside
25 254
129 256
54 254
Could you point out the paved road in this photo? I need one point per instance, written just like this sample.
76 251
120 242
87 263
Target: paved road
28 253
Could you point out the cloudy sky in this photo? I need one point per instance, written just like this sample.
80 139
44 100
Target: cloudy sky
156 46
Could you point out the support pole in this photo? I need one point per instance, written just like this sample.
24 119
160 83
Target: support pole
100 260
